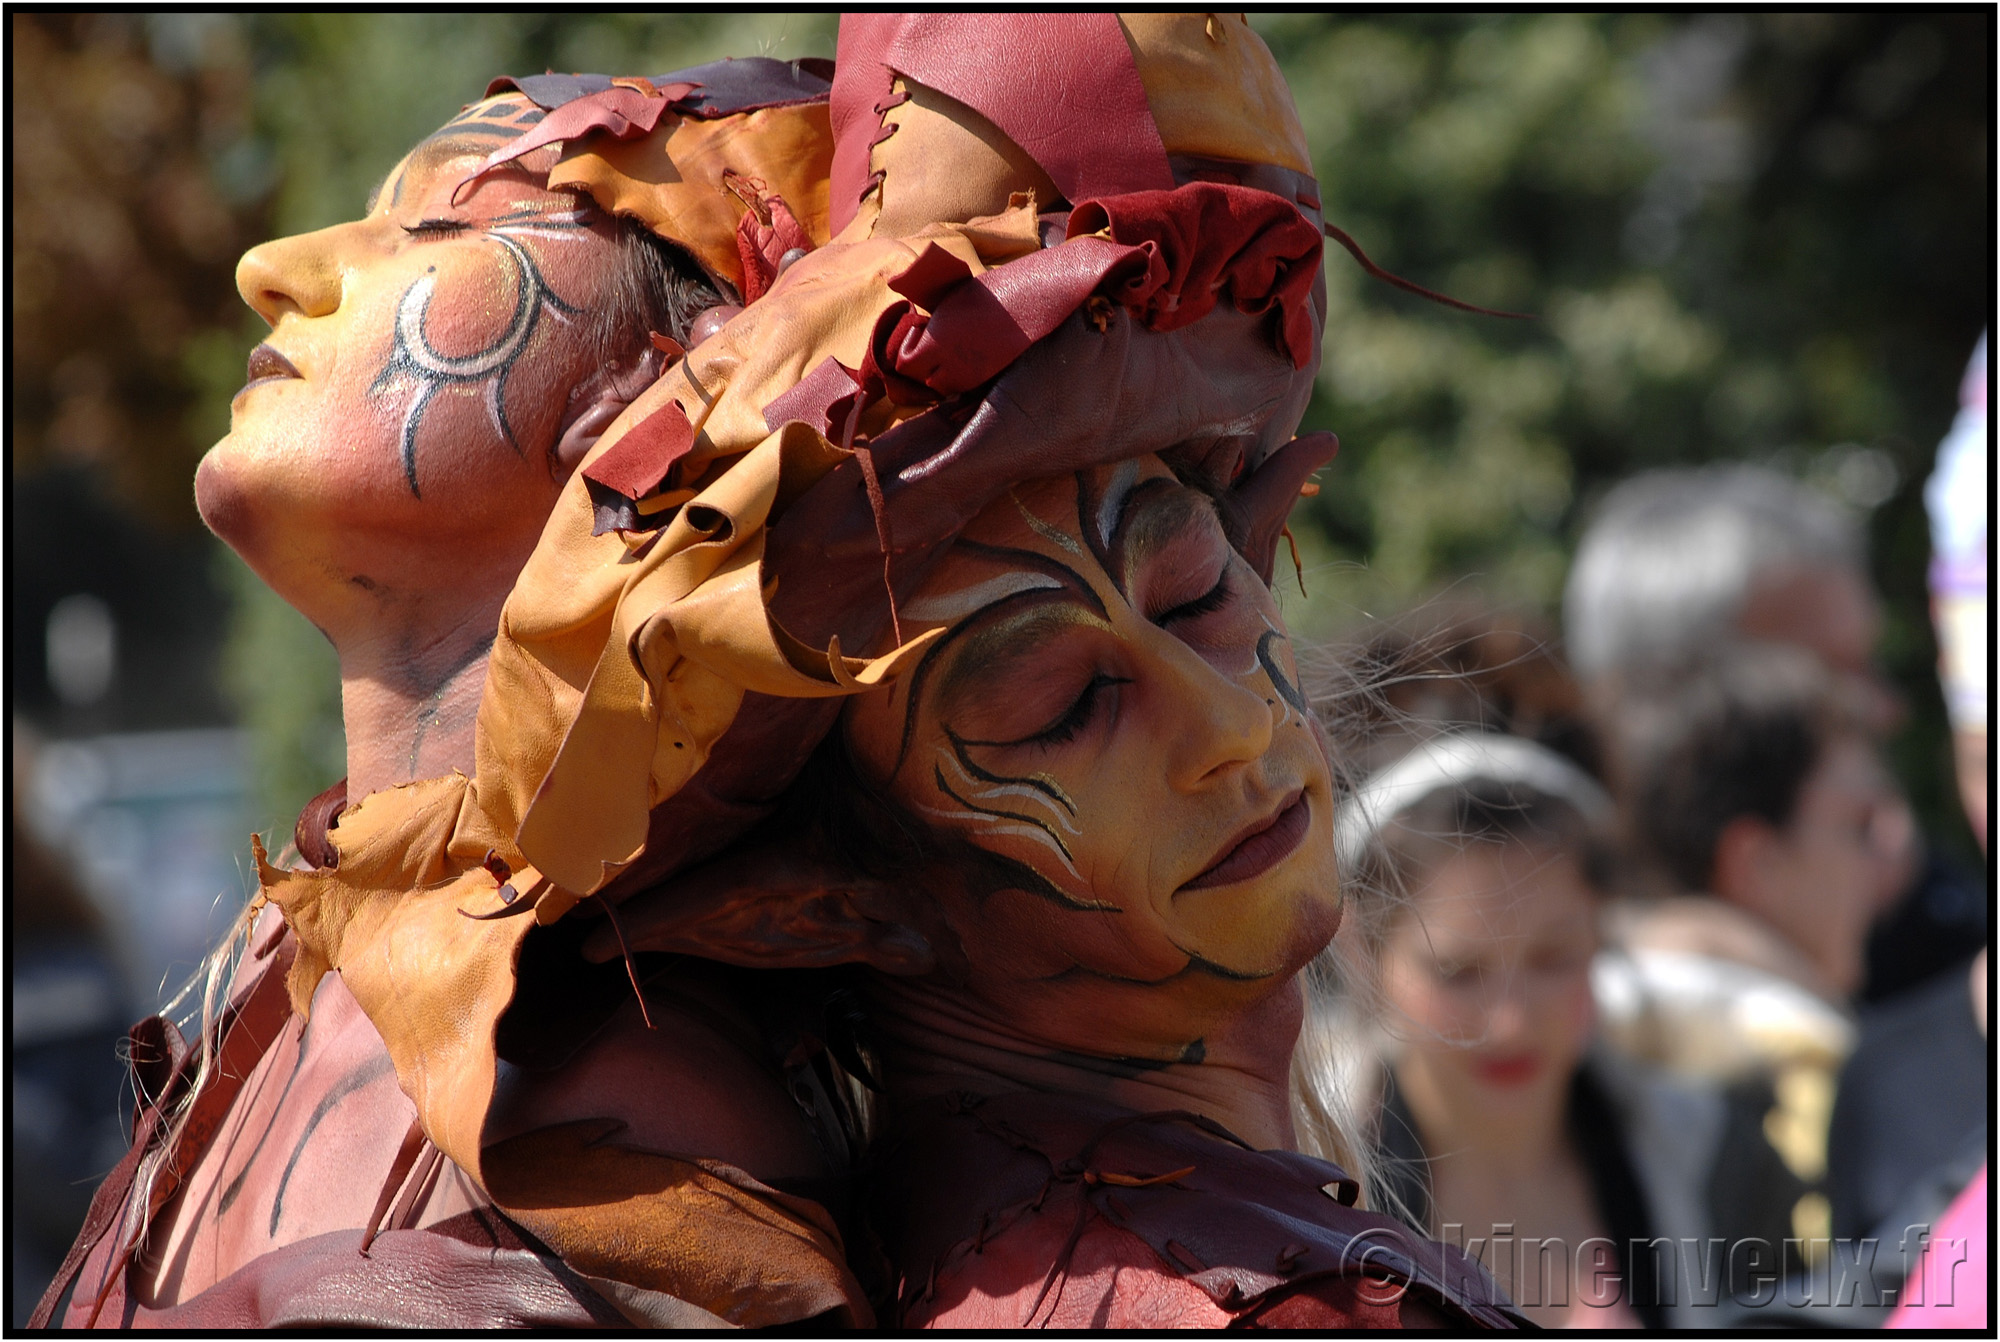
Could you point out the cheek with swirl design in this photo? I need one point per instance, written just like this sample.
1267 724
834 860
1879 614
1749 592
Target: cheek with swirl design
416 363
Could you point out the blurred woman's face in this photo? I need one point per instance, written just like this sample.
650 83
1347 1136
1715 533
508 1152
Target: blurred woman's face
1487 974
1112 720
420 361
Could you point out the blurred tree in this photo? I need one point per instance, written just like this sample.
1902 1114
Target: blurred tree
127 225
1760 237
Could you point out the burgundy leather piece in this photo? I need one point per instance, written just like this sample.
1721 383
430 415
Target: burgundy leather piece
471 1272
935 273
1248 1227
318 816
1213 236
1266 495
721 88
1062 86
761 246
619 111
983 325
855 106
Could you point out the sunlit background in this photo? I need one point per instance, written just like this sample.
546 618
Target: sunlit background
1762 238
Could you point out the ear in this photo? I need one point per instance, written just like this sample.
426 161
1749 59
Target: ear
1744 851
771 910
598 400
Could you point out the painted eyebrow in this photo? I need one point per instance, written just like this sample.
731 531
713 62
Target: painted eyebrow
1152 518
990 656
1072 584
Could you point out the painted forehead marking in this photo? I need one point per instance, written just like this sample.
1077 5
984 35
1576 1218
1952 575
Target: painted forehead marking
952 606
1054 535
1113 503
474 131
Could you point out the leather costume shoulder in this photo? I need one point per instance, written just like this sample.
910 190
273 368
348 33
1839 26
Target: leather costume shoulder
1033 1210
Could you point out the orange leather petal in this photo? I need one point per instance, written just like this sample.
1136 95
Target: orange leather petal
673 178
709 1233
1215 90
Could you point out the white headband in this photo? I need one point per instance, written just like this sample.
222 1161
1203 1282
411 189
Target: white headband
1454 760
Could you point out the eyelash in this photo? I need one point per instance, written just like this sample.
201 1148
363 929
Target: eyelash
1078 717
435 226
1213 600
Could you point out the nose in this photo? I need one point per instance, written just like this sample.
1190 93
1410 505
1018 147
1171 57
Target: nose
1507 1017
1217 724
297 274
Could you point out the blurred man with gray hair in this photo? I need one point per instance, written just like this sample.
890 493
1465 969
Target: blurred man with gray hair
1678 560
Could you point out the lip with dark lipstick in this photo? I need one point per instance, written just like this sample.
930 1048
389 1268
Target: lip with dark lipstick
1263 846
267 365
1513 1069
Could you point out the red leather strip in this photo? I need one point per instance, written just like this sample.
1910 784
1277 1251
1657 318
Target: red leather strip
636 464
1213 236
822 400
618 111
1063 86
318 816
860 82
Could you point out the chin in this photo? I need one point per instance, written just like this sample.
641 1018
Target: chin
225 504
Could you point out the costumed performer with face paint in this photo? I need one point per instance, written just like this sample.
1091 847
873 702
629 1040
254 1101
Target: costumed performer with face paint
434 374
1074 820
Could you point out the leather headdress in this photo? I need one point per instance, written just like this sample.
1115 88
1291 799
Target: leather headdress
683 634
728 160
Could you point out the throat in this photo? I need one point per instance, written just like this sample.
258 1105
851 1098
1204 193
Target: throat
406 721
1237 1075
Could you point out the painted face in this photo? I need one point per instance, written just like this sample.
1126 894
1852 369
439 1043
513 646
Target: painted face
1487 975
420 363
1112 732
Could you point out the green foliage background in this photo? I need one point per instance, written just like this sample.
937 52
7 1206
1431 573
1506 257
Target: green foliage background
1761 237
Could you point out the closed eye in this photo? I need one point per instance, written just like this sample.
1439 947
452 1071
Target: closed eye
1212 600
1073 720
1078 715
435 227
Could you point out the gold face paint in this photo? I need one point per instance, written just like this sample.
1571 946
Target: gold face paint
1113 715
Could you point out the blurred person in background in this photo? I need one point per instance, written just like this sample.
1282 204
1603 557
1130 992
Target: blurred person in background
1908 1145
1677 560
1750 783
1476 864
